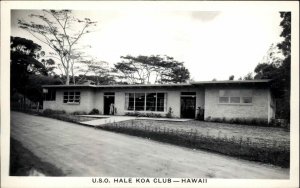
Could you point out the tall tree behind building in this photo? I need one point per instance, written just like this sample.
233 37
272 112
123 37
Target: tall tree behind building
151 69
59 30
279 69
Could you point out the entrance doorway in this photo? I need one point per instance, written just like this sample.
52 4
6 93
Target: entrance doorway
188 105
109 103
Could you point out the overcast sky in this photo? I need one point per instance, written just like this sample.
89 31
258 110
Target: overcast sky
211 44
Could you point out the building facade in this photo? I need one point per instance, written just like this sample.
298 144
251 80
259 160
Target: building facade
216 99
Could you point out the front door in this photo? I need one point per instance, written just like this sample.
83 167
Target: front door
109 105
188 106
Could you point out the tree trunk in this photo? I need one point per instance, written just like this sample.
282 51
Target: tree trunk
68 79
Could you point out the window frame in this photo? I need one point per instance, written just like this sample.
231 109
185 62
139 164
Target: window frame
145 109
74 98
232 94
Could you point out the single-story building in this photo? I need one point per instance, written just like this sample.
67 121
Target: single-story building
218 99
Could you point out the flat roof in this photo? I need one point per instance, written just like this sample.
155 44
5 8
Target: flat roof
230 82
197 83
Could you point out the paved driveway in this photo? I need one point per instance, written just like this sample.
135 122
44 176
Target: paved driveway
85 151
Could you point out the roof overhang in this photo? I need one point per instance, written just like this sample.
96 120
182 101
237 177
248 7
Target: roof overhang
233 83
191 84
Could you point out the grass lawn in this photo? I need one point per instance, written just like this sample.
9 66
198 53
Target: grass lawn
256 134
263 144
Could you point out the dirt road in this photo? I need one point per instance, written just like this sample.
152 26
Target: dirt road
85 151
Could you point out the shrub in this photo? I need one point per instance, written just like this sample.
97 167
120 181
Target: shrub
245 121
152 115
170 113
208 118
200 114
94 111
79 113
132 113
50 112
138 114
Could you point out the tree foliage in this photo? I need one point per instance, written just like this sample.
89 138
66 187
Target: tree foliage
28 69
96 71
151 69
59 30
249 76
279 68
24 56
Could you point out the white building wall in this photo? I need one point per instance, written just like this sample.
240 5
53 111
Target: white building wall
86 101
258 108
94 98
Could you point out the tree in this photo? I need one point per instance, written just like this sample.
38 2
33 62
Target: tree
97 71
285 45
231 77
61 32
248 76
24 56
279 68
147 69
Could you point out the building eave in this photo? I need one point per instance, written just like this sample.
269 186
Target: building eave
191 84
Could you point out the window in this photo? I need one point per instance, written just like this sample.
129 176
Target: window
139 101
151 101
247 100
234 99
223 99
145 101
235 96
71 97
160 102
49 94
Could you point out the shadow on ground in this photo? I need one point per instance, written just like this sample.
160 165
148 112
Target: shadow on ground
24 163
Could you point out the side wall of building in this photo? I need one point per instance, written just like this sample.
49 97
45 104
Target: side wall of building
259 108
86 101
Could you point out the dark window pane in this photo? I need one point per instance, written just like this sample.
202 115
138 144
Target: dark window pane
50 95
150 101
223 99
53 95
131 102
139 101
247 100
160 102
234 99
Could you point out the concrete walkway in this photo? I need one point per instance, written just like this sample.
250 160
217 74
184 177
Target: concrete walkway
104 119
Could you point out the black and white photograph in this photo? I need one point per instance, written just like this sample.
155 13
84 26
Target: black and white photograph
150 93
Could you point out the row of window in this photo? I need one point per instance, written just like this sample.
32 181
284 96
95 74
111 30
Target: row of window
145 102
235 96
